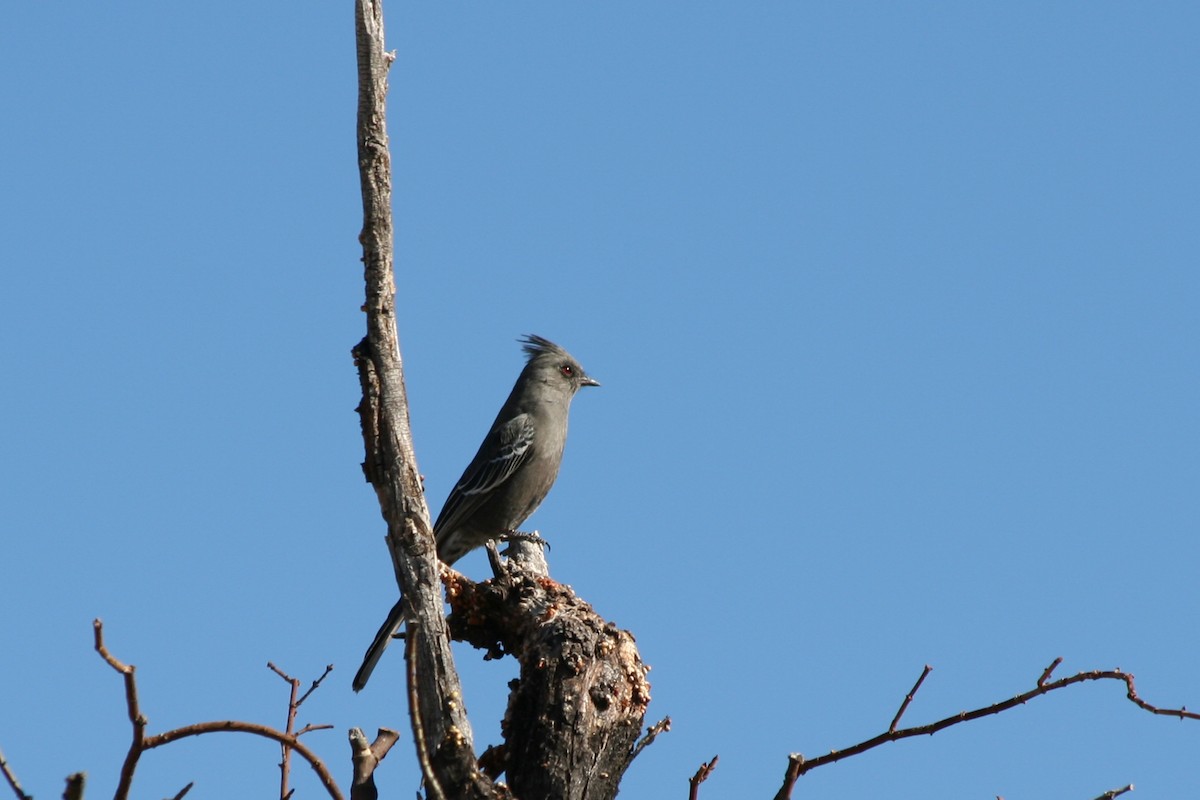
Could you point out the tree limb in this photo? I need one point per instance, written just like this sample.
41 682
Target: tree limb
390 463
700 777
11 778
798 765
142 743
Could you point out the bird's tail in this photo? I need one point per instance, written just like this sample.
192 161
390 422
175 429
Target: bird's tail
382 639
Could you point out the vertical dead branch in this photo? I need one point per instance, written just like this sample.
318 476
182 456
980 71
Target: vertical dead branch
390 463
700 777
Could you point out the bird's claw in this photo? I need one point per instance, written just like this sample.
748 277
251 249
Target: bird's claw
532 537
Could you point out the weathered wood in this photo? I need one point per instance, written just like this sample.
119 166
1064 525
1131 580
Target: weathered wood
577 708
438 716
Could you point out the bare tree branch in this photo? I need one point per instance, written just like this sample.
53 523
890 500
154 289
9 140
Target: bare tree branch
366 757
74 790
1111 793
141 742
285 762
798 765
908 698
662 726
137 746
11 778
1049 671
795 761
700 777
390 463
183 792
418 723
313 688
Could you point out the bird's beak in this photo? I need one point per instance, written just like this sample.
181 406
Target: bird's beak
588 380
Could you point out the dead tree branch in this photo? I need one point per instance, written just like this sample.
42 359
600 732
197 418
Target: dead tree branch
390 464
142 743
798 765
11 778
294 703
700 777
662 726
75 784
366 757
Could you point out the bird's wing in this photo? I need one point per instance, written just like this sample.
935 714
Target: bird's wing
498 458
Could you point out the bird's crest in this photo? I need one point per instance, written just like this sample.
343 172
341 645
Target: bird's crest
535 346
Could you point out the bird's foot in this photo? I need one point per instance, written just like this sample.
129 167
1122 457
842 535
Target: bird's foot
532 537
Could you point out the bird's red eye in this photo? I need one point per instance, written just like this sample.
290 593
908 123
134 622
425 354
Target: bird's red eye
568 370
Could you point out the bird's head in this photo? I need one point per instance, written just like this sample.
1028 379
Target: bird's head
550 364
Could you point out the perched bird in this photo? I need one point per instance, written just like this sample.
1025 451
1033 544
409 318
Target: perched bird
510 475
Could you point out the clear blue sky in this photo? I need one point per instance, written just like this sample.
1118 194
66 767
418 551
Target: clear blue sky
895 307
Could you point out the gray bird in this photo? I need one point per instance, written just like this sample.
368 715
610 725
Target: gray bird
510 475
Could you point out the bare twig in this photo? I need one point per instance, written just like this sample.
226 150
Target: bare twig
1050 669
908 698
313 688
141 742
285 762
183 792
74 790
795 764
11 777
414 708
137 746
662 726
700 777
1111 793
798 765
293 707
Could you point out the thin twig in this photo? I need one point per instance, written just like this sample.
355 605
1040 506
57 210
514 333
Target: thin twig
1111 793
137 745
1046 674
662 726
802 765
141 742
285 762
414 708
909 697
313 688
700 777
11 777
182 792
